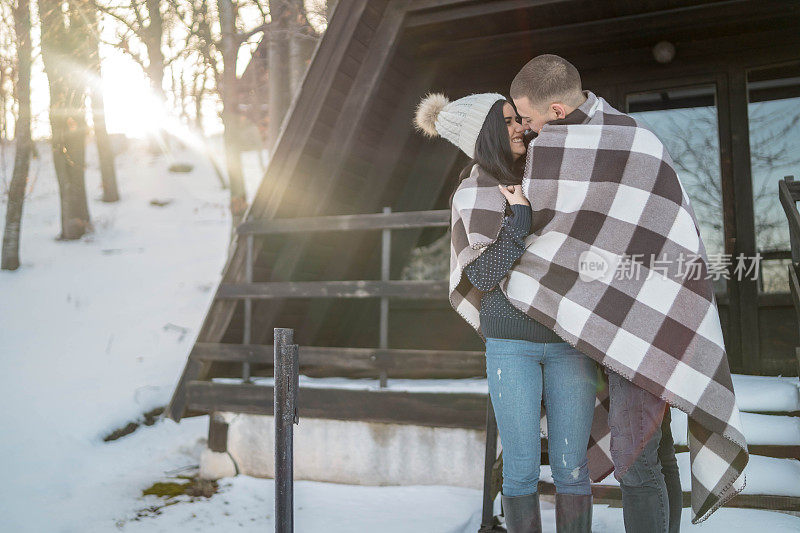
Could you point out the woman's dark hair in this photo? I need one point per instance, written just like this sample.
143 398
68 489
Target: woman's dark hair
493 151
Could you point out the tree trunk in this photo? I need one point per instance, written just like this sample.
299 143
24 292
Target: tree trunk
3 110
198 95
105 152
60 48
296 47
230 111
22 135
278 71
153 37
301 46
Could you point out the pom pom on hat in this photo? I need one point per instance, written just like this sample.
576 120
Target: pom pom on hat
428 111
459 121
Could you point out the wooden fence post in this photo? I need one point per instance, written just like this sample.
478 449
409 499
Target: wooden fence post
386 270
488 522
248 305
217 433
285 414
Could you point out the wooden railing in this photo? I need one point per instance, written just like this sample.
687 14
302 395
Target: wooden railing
384 289
195 393
789 194
397 363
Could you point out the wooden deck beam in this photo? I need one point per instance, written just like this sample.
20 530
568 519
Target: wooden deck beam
422 290
465 410
612 495
370 221
397 362
458 410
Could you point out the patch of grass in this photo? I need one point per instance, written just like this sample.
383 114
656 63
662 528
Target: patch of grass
165 490
193 487
181 168
147 419
190 486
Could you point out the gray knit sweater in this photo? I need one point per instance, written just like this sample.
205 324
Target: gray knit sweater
500 319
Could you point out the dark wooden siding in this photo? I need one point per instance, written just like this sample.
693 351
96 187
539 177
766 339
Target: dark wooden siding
383 162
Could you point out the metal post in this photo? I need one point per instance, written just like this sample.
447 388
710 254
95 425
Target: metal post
794 239
285 413
386 270
248 305
488 522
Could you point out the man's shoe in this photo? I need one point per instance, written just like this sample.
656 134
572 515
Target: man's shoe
522 513
573 513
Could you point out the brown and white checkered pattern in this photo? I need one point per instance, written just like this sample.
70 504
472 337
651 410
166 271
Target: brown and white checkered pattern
603 188
476 218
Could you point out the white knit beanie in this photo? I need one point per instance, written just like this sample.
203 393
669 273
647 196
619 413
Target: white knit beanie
459 121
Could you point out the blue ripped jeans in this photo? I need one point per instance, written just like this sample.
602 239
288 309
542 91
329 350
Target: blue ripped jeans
518 372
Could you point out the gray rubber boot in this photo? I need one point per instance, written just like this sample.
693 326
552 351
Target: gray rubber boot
522 513
573 513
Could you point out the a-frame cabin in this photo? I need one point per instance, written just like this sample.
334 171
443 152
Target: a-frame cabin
348 147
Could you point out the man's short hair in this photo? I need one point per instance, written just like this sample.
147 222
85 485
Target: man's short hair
548 78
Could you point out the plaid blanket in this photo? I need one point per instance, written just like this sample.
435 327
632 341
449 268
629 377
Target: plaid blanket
477 214
616 267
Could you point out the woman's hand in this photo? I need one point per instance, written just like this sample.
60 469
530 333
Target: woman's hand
513 194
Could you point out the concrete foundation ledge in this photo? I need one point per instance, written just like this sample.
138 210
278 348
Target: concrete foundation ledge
355 452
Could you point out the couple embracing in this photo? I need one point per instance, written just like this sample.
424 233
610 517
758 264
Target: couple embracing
567 259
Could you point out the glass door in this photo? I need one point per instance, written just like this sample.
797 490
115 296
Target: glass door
686 121
773 113
686 116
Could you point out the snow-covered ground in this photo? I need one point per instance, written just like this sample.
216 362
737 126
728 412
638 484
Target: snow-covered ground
95 332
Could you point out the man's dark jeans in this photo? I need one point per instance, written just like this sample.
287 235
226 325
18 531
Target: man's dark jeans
644 458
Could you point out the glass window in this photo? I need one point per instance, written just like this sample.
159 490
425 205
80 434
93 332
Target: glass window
773 111
685 119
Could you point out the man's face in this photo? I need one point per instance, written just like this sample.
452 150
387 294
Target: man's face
532 118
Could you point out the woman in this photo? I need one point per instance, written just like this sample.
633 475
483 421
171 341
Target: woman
525 360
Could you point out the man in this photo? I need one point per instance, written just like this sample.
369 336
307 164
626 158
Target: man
548 94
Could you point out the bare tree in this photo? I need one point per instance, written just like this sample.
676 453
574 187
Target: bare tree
291 43
8 67
141 35
229 44
279 82
691 137
774 151
64 50
217 54
215 34
199 91
302 39
695 152
22 136
104 150
692 140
